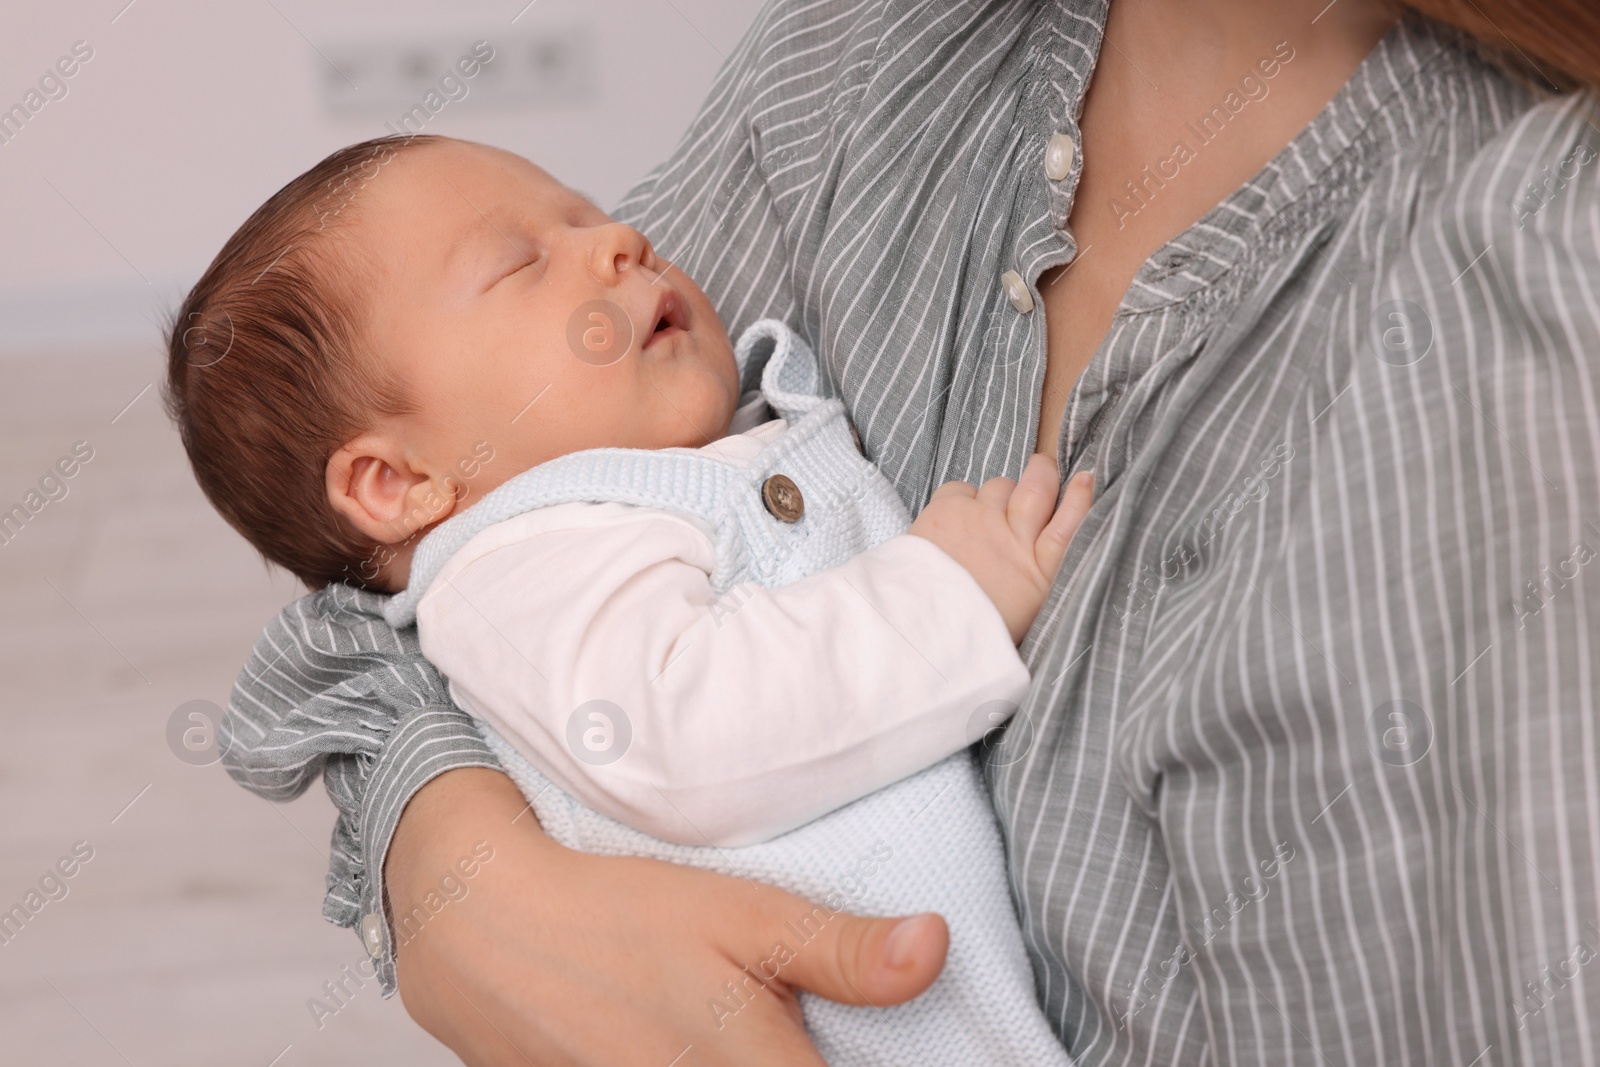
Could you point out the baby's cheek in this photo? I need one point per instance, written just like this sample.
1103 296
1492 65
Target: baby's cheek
715 394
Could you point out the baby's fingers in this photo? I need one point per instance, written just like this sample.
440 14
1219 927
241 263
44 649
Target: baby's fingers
996 493
1029 507
1051 547
955 490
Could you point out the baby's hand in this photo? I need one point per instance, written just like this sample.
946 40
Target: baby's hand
1006 536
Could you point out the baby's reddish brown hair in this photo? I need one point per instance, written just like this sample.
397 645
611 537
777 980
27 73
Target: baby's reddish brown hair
267 374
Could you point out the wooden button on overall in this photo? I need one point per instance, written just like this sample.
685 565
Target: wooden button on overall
782 498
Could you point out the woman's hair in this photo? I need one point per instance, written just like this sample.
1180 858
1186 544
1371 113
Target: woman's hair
267 375
1553 44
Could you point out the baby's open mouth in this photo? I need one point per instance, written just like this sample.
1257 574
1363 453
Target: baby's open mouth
669 318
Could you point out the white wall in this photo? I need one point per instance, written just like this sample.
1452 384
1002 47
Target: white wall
114 197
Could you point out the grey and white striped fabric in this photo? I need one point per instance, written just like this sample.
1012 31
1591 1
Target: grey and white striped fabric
1310 769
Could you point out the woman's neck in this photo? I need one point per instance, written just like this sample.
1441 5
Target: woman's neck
1196 38
1253 72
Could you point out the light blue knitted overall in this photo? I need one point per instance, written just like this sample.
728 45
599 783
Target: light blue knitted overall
927 843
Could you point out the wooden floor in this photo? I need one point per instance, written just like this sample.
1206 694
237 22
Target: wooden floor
194 935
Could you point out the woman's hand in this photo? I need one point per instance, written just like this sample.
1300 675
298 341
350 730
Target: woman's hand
557 958
1010 536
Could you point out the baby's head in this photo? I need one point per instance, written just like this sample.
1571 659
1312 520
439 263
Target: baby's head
416 320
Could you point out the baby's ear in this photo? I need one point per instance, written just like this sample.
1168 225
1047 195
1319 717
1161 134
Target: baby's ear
373 484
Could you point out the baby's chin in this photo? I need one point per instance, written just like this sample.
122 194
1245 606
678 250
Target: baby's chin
702 400
698 429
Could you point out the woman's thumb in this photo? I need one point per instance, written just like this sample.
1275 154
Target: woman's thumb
855 960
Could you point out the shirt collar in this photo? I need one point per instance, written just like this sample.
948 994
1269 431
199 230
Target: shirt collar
1318 173
1370 119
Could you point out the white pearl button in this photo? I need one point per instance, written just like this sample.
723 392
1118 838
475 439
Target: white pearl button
372 934
1017 291
1058 157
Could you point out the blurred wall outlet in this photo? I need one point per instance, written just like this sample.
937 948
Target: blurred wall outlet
388 77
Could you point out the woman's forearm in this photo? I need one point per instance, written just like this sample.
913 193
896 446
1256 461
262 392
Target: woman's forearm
545 955
440 813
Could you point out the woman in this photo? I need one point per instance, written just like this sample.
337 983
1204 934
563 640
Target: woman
1308 769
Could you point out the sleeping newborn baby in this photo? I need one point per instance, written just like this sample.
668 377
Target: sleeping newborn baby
693 621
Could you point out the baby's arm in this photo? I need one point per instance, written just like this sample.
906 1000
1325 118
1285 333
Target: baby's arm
744 715
732 719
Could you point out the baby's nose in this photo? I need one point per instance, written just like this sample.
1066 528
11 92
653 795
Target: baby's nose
617 249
